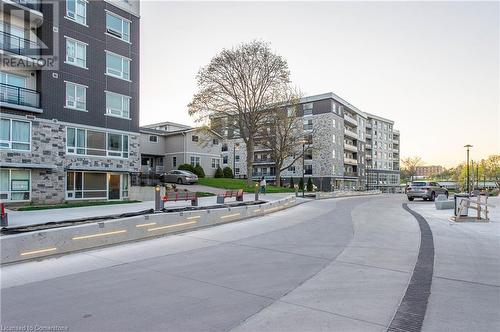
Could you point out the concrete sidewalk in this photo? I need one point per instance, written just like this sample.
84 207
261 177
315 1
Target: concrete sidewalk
465 293
21 218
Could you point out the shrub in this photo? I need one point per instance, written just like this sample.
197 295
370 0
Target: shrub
301 184
309 185
186 167
228 172
198 170
219 173
291 183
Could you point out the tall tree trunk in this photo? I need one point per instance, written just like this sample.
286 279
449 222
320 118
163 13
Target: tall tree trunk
250 148
278 177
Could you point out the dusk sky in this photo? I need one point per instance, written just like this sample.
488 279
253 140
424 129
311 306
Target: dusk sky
431 67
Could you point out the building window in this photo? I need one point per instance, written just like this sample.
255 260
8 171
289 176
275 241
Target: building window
308 124
333 154
224 160
76 96
308 108
237 158
215 141
195 161
308 154
117 66
15 135
76 10
194 138
117 105
118 26
86 185
215 162
334 137
124 185
174 161
153 138
15 185
236 171
96 143
308 169
224 147
76 53
291 169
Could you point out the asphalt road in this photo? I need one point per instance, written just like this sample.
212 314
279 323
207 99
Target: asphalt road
329 265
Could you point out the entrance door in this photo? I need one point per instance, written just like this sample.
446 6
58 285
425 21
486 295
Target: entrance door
114 186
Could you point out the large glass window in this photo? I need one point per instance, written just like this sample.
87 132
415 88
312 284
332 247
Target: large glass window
195 161
15 184
118 26
76 53
117 105
15 134
117 66
76 10
86 185
76 96
96 143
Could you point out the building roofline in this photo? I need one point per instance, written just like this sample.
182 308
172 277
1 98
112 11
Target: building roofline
331 95
373 116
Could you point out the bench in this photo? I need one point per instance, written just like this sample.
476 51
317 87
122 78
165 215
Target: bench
442 203
175 196
230 193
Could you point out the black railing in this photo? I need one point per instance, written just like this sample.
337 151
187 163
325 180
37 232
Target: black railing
31 4
263 160
20 96
17 45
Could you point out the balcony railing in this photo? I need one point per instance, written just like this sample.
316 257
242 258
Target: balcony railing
19 96
350 147
351 174
350 161
31 4
18 45
350 119
254 174
263 161
350 133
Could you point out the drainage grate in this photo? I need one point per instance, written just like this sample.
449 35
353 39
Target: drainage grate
411 312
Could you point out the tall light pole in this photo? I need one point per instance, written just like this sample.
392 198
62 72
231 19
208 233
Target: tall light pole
468 146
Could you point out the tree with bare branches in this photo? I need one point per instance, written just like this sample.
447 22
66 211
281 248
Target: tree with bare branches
283 133
409 166
236 86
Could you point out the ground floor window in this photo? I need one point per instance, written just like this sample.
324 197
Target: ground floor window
15 185
195 161
96 185
215 162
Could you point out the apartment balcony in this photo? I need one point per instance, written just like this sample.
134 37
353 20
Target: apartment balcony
350 119
368 157
350 161
261 149
368 125
17 48
368 146
19 98
351 174
350 147
368 136
261 161
350 133
32 6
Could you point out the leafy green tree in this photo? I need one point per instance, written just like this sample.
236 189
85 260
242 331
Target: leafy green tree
309 185
198 170
219 173
228 172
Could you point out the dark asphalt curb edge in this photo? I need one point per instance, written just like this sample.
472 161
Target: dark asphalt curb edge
411 311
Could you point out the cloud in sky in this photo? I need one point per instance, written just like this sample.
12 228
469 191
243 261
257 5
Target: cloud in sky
433 67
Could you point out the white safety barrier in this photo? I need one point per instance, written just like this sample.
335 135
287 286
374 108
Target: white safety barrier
37 244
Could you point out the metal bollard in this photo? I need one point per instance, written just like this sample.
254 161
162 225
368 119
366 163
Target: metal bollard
256 191
158 200
4 218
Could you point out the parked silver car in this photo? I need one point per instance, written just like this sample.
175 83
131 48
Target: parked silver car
425 190
180 177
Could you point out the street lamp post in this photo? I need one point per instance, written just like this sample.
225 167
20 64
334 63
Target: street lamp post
468 146
303 168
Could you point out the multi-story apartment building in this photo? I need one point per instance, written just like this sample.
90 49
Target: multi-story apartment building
338 152
382 146
425 171
69 124
166 145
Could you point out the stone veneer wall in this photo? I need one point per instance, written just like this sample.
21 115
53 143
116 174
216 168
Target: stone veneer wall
48 147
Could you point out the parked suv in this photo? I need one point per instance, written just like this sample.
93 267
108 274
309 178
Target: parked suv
180 177
425 190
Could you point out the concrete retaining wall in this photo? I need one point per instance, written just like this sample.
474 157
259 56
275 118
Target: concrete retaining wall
19 247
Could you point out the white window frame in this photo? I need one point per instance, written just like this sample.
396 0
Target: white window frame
123 58
109 111
121 154
75 86
10 191
74 62
75 14
10 141
124 22
215 163
195 160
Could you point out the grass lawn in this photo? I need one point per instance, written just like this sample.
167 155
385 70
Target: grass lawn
224 183
72 205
